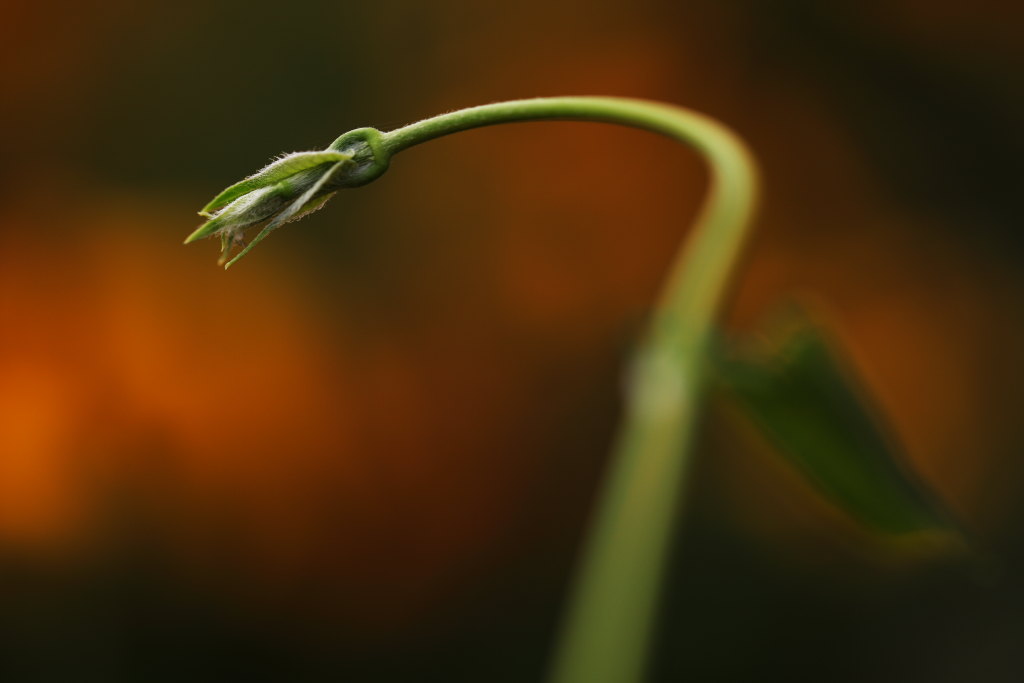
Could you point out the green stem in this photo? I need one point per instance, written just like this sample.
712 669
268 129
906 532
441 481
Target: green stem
609 622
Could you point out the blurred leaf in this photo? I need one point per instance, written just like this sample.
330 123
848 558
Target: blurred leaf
794 386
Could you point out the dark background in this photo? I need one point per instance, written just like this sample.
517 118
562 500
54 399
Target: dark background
367 452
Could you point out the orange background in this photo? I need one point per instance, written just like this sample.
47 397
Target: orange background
366 453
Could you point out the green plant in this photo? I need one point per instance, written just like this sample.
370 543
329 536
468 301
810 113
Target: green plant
835 442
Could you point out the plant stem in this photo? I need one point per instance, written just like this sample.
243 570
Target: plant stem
609 622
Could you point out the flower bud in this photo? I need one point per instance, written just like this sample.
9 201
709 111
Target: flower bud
287 189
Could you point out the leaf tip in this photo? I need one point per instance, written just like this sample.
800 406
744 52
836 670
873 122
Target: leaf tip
198 234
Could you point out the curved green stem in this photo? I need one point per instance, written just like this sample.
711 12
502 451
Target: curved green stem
608 626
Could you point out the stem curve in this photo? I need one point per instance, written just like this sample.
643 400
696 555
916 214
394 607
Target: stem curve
607 629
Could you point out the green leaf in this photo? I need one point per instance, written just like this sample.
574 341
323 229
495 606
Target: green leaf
280 169
797 389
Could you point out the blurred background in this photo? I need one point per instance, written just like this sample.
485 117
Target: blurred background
367 452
